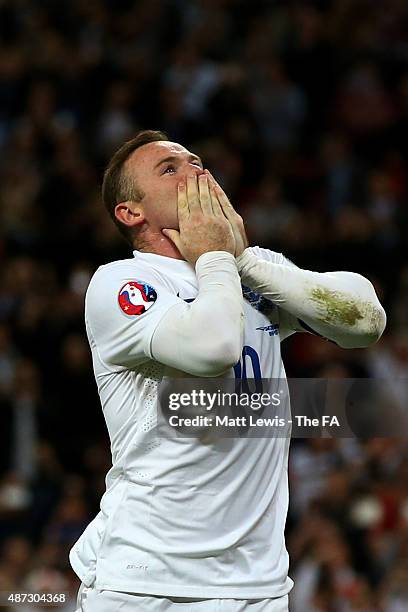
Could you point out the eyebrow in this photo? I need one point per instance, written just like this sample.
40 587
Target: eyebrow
175 158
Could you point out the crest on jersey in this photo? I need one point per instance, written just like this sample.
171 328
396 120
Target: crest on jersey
136 297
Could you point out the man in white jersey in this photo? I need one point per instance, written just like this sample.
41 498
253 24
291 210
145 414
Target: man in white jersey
185 523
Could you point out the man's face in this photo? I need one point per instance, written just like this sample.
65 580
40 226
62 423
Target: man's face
157 168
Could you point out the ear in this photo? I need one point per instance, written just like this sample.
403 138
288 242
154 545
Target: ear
129 213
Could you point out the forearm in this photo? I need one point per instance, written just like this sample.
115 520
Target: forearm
341 306
205 338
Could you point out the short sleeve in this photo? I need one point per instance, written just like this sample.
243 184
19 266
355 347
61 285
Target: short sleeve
123 307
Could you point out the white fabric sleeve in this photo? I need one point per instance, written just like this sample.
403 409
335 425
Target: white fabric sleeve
203 338
340 306
288 323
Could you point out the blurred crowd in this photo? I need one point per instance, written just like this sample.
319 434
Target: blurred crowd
300 109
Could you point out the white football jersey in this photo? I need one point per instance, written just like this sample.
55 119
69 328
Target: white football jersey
180 516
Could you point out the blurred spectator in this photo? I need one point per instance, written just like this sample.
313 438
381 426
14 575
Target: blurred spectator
269 217
278 104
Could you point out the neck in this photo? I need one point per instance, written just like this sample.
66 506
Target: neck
158 244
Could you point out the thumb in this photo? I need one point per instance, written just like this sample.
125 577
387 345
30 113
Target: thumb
174 236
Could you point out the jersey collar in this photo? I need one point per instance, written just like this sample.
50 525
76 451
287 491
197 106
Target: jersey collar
162 260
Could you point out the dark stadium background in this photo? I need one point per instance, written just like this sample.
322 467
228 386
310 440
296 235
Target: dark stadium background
301 111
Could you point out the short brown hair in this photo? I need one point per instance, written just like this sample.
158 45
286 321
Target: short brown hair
117 186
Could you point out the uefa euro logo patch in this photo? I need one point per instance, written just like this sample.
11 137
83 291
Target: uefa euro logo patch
136 297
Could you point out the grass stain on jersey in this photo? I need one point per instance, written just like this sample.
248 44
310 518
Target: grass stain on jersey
337 308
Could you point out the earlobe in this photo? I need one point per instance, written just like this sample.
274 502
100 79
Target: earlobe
129 214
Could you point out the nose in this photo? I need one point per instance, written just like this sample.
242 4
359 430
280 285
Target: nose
194 171
191 169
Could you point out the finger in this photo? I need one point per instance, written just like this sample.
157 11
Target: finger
223 200
182 203
205 196
174 236
192 194
216 206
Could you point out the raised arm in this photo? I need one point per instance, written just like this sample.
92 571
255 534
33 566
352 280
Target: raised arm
204 338
340 306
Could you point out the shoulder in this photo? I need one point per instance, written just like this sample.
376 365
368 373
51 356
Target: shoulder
129 283
116 269
125 270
